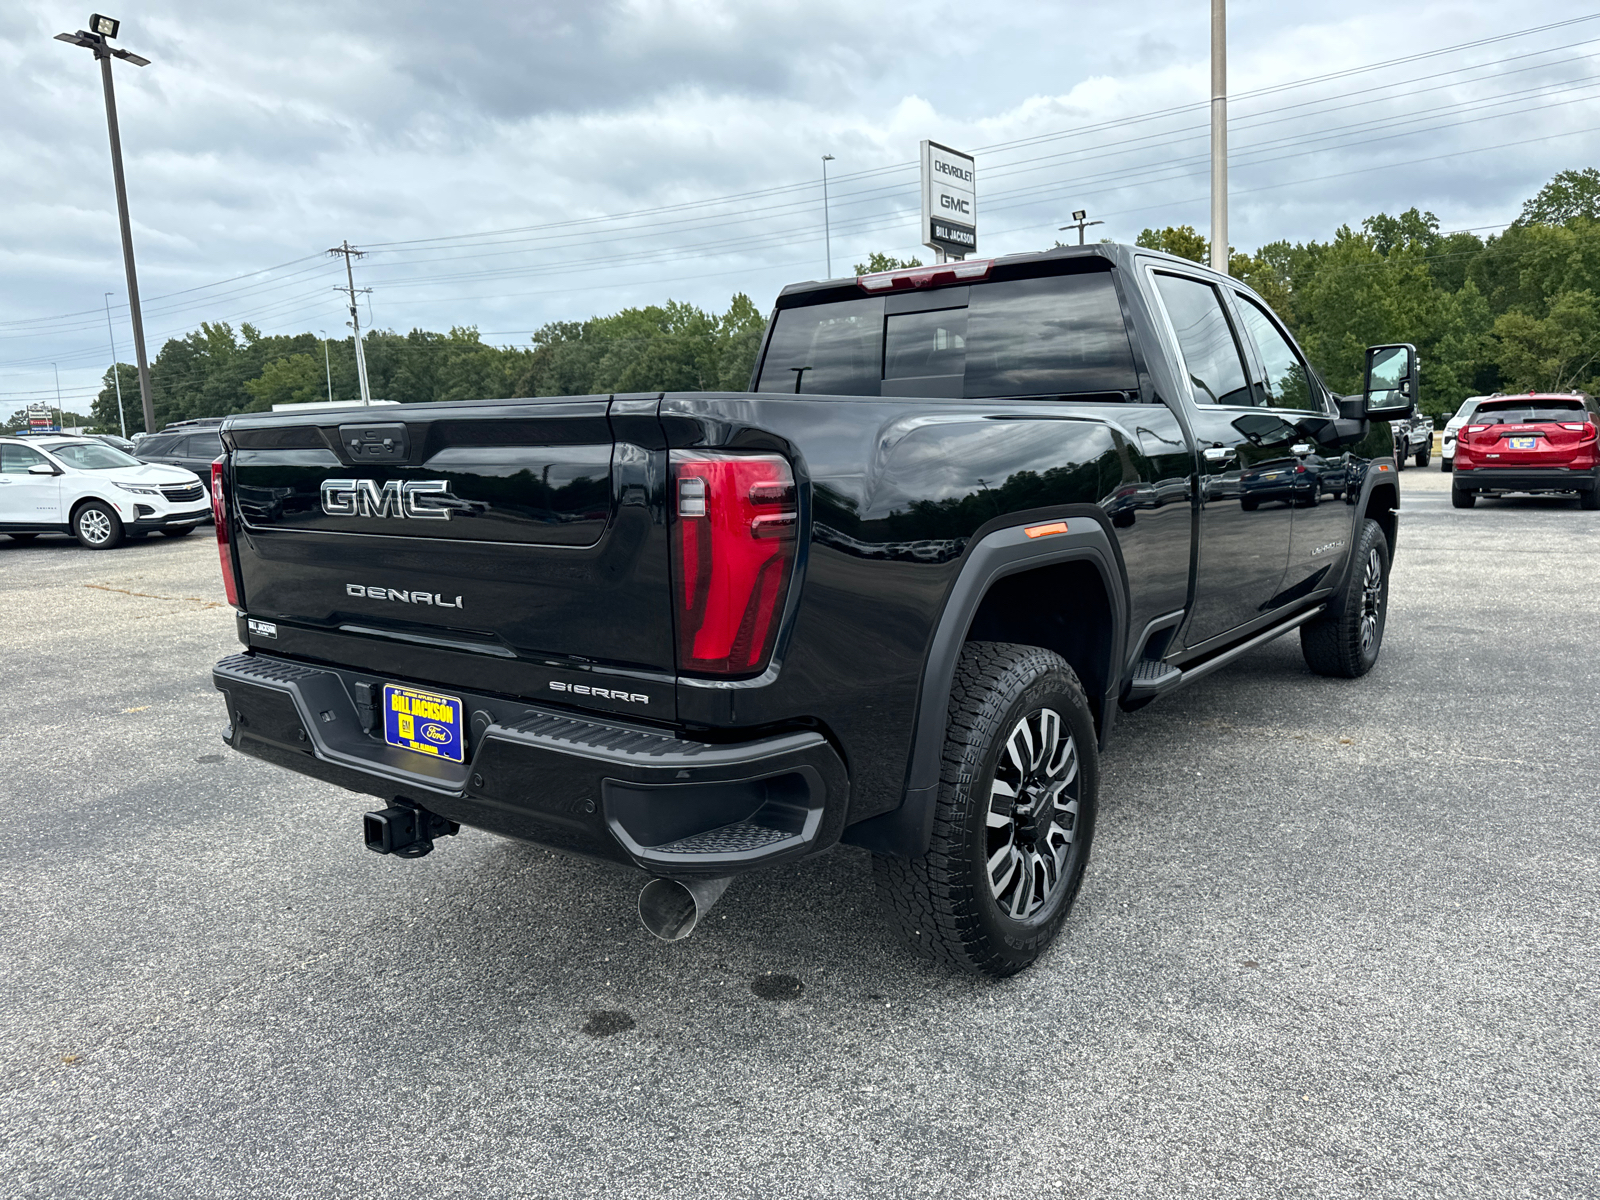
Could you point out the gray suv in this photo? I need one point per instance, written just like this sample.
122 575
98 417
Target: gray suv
191 446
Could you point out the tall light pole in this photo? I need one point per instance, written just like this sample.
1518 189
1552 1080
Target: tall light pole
97 38
827 234
116 374
1219 136
1080 222
61 421
326 364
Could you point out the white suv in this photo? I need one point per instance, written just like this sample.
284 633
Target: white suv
1447 454
93 491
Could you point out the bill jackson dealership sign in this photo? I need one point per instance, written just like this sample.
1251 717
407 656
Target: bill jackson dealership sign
949 200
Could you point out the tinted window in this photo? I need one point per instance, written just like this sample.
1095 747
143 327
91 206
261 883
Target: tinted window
202 445
1206 339
925 343
1046 337
1515 412
15 460
826 350
157 444
1288 384
1056 336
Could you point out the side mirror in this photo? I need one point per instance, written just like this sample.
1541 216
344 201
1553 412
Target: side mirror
42 469
1390 391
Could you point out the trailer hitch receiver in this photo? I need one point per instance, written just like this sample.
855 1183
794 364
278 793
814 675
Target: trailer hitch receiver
405 829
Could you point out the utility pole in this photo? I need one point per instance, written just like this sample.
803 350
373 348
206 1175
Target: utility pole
116 374
104 29
827 234
1080 222
326 364
1219 136
349 253
61 421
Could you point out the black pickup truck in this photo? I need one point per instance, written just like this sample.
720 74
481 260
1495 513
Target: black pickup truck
894 595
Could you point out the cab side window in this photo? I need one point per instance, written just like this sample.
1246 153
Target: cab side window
1288 382
1205 335
15 460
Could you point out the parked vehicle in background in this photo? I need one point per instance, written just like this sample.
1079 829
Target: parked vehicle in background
893 595
111 439
1447 451
192 445
1541 442
1413 439
95 492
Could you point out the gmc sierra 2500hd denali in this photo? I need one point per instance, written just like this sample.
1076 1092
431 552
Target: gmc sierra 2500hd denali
894 595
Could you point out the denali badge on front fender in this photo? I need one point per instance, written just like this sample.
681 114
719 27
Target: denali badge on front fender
413 499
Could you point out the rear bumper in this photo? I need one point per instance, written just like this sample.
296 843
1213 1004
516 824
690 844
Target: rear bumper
604 789
1523 479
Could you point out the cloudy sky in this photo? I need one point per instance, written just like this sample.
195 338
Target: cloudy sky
508 164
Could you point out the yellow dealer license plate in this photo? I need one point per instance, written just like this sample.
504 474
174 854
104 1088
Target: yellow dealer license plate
425 722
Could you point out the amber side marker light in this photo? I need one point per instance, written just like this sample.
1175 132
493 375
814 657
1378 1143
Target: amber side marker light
1036 531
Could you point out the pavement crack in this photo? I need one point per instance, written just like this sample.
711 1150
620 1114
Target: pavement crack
101 587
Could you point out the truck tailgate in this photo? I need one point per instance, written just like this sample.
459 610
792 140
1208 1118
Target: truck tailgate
516 541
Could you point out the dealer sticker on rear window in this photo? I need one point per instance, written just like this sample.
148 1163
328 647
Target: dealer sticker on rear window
425 722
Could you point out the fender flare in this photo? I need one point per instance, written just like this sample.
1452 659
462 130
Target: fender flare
906 831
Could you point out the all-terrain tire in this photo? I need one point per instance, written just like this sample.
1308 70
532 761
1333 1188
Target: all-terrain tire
96 525
1424 455
1346 645
946 903
1462 497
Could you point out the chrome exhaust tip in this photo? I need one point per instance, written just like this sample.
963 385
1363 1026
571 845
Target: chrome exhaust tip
671 908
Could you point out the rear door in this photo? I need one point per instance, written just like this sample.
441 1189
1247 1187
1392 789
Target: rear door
513 541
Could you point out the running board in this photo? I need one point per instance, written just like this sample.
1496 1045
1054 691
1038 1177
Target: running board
1152 679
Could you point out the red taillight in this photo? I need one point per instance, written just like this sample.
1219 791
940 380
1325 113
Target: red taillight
734 527
921 277
219 515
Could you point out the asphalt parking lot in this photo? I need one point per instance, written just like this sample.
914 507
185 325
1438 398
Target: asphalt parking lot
1337 939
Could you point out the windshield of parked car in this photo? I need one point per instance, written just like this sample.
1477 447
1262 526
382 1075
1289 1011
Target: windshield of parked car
93 456
1527 412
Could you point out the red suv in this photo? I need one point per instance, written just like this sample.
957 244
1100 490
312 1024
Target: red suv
1541 442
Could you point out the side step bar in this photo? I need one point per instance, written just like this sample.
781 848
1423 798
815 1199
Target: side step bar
1152 679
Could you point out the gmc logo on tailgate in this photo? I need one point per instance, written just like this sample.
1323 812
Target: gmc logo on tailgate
416 500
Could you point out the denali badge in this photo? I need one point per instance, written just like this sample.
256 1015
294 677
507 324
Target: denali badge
364 498
375 593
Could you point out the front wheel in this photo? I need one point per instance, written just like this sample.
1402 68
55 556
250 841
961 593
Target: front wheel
1424 455
1400 458
97 526
1346 645
1444 464
1013 819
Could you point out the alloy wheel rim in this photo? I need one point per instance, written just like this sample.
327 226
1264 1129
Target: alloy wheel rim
1371 600
1031 825
95 526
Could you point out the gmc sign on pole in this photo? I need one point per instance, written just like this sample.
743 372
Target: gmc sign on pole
949 200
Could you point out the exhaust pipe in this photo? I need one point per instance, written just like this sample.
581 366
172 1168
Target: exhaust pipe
671 908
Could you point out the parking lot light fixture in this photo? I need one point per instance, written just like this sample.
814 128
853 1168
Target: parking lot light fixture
97 39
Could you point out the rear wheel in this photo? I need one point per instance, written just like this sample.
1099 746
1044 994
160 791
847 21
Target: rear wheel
1399 458
1346 645
1014 816
1462 497
1590 501
97 526
1424 455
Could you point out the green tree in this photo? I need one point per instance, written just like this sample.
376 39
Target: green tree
103 411
878 261
1570 195
1181 240
1555 353
296 379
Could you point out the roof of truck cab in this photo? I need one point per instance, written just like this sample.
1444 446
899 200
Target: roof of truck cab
1119 254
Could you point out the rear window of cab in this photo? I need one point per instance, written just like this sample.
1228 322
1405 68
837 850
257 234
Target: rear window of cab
1529 411
1056 336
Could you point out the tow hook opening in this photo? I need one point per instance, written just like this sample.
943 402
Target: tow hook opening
405 829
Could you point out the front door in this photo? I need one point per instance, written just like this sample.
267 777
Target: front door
27 499
1245 512
1322 498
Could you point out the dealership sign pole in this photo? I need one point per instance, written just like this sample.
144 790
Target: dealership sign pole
949 202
